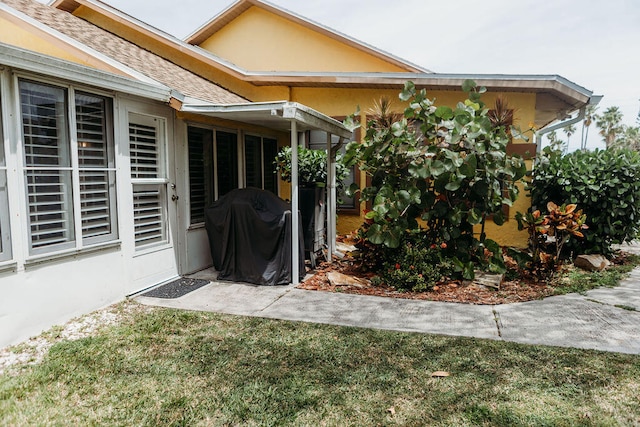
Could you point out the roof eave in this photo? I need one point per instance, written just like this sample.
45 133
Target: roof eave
22 59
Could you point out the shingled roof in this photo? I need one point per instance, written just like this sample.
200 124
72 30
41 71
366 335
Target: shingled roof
127 53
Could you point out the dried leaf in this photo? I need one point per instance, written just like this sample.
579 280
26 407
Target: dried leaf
440 374
392 410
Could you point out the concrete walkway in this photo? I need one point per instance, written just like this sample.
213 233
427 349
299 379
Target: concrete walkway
604 319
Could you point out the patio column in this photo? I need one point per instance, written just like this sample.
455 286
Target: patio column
295 223
331 200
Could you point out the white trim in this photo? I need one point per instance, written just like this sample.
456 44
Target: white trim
54 256
278 112
74 43
67 71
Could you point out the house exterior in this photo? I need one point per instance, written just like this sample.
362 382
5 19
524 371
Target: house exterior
108 156
114 136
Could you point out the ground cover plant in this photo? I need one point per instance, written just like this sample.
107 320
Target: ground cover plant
169 367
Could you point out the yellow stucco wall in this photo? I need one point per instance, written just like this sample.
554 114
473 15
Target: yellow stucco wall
16 33
259 40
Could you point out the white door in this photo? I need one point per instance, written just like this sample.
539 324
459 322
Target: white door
154 220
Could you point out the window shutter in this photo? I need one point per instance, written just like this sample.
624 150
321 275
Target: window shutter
148 214
47 164
97 175
149 186
144 151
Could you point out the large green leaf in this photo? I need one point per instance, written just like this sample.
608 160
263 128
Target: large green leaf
444 112
468 85
475 216
375 234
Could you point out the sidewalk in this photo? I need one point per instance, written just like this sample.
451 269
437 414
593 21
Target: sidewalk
604 319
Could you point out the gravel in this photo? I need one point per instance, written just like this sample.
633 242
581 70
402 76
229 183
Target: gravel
33 350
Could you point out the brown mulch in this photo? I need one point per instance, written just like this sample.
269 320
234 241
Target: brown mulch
520 290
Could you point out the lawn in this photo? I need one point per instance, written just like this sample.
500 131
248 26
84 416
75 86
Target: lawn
168 367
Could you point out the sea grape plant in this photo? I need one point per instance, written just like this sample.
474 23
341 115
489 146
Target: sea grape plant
441 170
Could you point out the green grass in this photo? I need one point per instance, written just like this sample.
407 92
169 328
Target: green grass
169 367
581 281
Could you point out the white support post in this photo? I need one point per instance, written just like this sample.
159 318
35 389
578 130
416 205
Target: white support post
295 223
331 201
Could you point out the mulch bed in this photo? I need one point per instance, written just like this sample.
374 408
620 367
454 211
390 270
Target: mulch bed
520 290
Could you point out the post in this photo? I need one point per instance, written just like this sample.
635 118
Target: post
295 223
331 201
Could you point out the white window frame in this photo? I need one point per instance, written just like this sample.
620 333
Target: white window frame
78 242
262 137
156 182
6 253
214 161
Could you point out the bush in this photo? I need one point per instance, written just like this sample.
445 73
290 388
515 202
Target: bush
438 170
605 184
415 266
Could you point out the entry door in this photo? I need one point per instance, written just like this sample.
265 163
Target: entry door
213 170
154 197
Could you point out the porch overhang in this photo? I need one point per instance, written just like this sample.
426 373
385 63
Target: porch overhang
272 115
293 118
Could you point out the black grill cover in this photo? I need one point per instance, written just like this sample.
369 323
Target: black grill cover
249 234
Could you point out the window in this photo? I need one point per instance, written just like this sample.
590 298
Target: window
226 162
5 235
259 156
96 163
213 168
68 167
146 142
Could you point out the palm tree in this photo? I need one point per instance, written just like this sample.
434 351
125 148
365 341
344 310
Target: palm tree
610 125
589 116
629 138
569 130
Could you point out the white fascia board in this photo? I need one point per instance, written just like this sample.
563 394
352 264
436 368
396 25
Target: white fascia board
168 38
76 44
511 81
278 110
26 60
314 118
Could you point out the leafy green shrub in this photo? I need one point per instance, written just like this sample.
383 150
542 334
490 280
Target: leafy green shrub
415 268
606 186
312 166
447 167
371 257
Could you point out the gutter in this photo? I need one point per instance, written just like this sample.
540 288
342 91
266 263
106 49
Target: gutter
593 100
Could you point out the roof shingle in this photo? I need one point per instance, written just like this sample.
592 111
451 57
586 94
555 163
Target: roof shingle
127 53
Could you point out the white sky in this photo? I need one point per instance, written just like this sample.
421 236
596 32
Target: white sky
593 43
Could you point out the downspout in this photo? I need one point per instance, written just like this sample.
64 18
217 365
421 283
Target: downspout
560 125
594 100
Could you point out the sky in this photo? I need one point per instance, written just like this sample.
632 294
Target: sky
595 43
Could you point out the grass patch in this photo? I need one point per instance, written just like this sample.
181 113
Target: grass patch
581 281
169 367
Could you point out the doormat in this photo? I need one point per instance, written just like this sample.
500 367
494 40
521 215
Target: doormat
176 289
